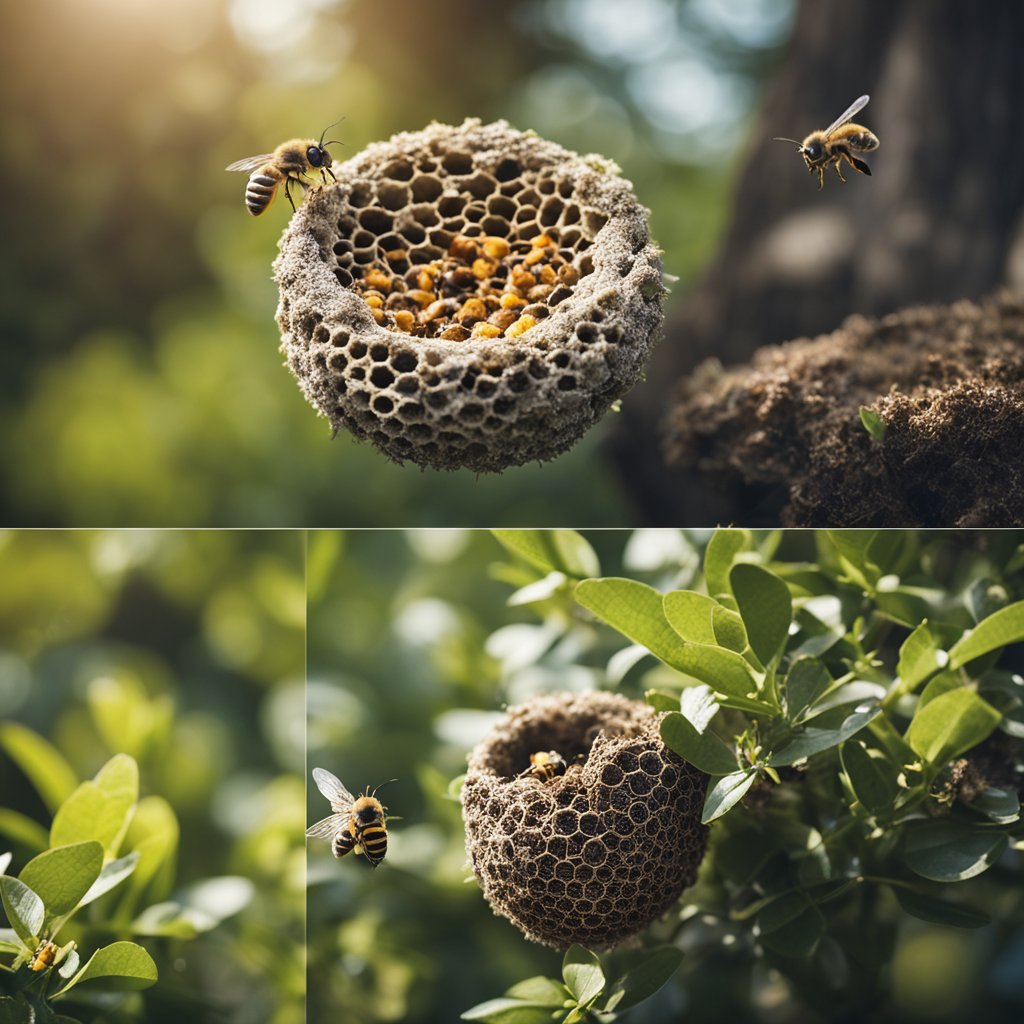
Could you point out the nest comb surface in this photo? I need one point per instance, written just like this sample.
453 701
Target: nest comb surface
468 296
596 854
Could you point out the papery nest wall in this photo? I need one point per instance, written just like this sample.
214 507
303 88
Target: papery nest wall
468 296
594 855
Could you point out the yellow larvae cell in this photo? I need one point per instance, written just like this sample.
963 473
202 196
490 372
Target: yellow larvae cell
375 278
485 330
521 326
495 247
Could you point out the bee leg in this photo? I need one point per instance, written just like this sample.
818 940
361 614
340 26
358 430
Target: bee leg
821 178
838 166
287 192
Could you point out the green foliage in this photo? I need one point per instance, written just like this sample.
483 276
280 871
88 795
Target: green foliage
585 991
56 883
189 650
854 698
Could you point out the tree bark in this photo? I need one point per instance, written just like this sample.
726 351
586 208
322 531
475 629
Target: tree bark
940 218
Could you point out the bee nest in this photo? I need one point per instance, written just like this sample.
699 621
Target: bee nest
468 296
594 855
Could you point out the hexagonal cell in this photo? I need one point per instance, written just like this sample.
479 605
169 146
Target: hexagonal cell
420 228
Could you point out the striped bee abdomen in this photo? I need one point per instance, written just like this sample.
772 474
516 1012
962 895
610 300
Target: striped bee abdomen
374 841
259 193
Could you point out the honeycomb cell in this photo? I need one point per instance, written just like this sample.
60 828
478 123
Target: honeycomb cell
419 227
609 861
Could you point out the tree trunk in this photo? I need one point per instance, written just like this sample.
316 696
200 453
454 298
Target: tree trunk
940 218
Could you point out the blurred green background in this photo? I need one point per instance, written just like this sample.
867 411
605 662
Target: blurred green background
413 651
185 650
141 379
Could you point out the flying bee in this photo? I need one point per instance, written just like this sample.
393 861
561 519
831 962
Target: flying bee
545 765
838 142
359 823
287 164
43 956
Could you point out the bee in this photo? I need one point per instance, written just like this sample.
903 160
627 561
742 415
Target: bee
838 142
43 956
359 823
288 163
545 765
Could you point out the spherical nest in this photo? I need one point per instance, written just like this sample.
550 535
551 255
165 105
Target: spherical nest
947 382
468 296
593 855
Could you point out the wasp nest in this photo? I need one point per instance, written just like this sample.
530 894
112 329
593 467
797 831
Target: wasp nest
468 297
593 855
947 382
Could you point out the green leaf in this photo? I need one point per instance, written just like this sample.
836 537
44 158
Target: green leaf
16 1011
9 941
704 750
24 909
722 549
23 829
791 925
929 908
641 982
726 793
698 704
690 615
100 809
765 607
560 550
1003 627
509 1011
872 778
62 876
112 875
950 724
999 805
920 658
813 740
873 423
121 966
41 762
153 836
582 973
661 701
723 670
635 610
728 628
949 851
806 681
540 990
853 547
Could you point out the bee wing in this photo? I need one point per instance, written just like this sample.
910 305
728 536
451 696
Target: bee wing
857 105
250 163
328 828
331 787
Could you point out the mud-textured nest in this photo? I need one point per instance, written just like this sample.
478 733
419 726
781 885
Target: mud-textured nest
468 297
596 854
948 383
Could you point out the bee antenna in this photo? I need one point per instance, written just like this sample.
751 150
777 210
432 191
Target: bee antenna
327 129
382 785
799 145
